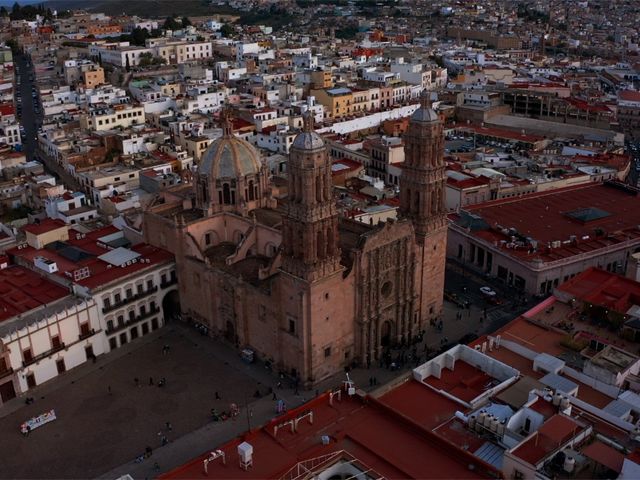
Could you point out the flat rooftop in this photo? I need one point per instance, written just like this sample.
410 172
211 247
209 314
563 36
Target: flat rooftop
83 251
558 224
465 381
22 290
376 438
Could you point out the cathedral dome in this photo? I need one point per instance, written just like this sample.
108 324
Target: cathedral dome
425 113
230 157
308 139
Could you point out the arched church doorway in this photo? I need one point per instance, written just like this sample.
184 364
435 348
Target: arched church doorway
386 334
171 306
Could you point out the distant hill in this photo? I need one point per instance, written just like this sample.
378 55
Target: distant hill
142 8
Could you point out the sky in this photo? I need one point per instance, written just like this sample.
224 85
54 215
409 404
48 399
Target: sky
9 3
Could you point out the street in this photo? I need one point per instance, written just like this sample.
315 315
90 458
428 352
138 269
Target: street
28 117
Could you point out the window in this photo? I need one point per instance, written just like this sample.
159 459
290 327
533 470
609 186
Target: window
117 298
292 326
55 341
107 302
139 288
27 355
84 328
149 284
327 352
518 475
129 293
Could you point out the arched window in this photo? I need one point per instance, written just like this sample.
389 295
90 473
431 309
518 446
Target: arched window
252 195
226 194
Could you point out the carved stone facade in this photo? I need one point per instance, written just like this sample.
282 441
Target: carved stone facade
302 287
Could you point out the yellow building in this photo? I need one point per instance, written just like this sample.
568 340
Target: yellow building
321 79
337 101
94 77
45 232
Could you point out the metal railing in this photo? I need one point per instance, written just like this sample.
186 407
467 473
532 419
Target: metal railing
43 355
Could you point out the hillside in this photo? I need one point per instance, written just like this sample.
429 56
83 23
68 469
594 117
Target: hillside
143 8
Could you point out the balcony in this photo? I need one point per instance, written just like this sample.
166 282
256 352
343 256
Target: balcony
148 314
169 282
88 334
127 300
5 372
128 323
48 353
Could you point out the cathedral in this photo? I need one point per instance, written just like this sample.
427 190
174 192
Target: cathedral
276 269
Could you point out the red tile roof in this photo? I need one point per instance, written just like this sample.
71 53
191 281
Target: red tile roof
376 435
604 455
603 288
44 226
543 217
22 290
629 96
553 433
101 273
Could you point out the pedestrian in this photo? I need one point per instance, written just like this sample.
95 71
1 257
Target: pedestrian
109 389
136 380
28 429
295 392
218 396
156 467
279 385
375 381
164 440
169 426
148 451
275 397
317 393
150 380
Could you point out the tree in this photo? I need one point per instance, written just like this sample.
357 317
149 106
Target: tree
146 59
227 30
185 21
139 36
127 65
4 12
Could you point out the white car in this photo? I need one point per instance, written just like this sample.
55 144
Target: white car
487 291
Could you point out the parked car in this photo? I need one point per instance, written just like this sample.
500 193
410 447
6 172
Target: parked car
488 291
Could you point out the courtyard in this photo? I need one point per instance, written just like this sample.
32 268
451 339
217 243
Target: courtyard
105 420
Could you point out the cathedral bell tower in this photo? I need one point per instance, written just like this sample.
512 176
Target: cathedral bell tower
422 184
310 226
422 190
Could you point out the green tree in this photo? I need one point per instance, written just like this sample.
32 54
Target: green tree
227 30
127 65
139 36
185 21
146 59
4 12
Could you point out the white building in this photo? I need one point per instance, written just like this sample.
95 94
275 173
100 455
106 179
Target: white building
70 207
